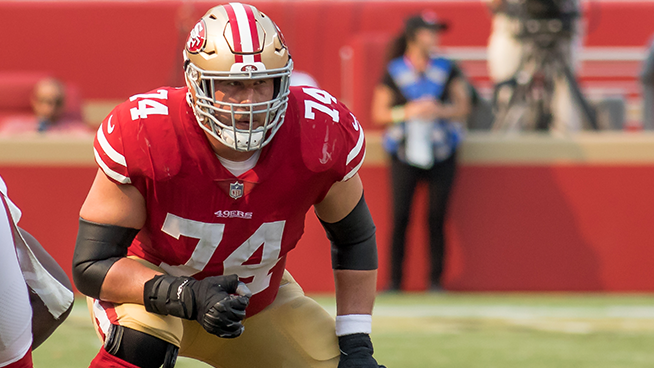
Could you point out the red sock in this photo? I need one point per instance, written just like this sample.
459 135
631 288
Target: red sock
106 360
24 362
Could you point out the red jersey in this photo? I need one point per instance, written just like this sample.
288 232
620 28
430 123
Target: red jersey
201 219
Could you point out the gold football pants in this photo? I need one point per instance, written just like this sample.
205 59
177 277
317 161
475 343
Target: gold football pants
293 332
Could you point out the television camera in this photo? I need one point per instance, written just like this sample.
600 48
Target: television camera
545 29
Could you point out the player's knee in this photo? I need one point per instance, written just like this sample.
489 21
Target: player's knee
139 348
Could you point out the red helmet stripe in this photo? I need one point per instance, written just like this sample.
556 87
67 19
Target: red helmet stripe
253 31
233 23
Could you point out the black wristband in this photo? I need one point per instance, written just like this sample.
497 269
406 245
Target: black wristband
164 294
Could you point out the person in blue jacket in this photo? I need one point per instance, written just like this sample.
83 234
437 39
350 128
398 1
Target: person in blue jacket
421 99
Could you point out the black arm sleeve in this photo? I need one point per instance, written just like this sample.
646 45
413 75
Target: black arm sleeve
97 248
354 246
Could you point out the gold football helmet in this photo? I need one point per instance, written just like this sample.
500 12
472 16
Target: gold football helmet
237 42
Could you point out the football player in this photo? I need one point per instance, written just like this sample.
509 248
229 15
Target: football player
36 294
201 193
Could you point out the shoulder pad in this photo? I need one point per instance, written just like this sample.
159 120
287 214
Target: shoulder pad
331 136
138 137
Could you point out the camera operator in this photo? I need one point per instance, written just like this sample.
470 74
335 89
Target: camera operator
510 44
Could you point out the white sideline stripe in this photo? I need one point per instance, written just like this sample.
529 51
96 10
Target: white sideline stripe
514 312
108 149
357 148
488 311
112 174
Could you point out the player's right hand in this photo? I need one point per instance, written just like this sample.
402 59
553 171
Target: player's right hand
356 352
218 302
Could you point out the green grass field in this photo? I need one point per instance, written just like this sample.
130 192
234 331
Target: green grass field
461 330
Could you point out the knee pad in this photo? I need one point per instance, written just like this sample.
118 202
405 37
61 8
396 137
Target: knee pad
139 348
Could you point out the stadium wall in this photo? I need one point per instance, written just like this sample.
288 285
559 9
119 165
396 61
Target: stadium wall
530 213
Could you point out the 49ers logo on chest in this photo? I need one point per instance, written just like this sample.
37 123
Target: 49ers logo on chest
236 190
198 38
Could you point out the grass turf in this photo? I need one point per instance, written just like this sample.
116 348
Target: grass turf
466 330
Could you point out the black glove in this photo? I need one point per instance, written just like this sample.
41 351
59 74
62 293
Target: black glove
356 352
212 301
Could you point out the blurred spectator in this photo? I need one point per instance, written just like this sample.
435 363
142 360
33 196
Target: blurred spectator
508 53
647 79
299 78
48 101
421 99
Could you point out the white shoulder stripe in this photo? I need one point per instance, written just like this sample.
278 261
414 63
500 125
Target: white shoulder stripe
110 173
355 170
109 150
357 148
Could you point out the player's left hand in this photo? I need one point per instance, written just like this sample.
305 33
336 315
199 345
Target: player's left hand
356 352
218 303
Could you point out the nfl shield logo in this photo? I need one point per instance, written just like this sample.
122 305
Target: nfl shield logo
236 190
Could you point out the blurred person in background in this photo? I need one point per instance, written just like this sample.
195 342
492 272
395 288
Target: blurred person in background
200 194
421 100
647 81
36 294
507 53
48 103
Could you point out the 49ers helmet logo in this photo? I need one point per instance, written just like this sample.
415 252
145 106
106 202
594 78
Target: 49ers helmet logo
198 38
249 68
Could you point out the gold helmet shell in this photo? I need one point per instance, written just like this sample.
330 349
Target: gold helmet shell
237 42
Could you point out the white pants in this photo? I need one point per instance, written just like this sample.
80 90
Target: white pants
504 57
15 308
